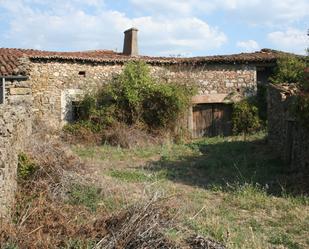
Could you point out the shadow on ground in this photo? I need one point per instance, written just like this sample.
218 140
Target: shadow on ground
228 163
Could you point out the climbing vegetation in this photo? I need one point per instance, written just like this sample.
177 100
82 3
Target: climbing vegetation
134 97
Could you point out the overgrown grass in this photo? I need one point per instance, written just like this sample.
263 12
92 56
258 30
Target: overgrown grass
233 191
221 162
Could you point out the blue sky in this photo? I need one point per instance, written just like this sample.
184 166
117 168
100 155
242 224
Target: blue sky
166 27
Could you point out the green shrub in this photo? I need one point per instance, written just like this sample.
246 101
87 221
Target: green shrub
140 98
26 167
163 105
129 89
87 107
134 97
245 118
289 69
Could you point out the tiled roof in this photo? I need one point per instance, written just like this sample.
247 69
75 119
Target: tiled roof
11 59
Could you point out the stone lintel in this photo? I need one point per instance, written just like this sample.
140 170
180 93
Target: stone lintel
210 98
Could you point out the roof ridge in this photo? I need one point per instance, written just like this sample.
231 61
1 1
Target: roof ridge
9 57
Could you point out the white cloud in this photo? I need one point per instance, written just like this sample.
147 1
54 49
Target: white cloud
257 12
274 12
72 28
179 6
248 46
291 40
179 36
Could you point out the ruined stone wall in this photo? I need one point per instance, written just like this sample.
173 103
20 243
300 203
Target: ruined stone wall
52 82
287 136
15 127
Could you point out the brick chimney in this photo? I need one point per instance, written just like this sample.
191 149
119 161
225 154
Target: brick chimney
130 46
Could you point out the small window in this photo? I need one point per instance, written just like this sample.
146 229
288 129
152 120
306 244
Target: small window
82 73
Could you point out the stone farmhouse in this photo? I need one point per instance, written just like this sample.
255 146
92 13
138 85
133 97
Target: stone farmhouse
57 80
46 86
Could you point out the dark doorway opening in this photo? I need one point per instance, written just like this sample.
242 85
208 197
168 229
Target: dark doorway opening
76 111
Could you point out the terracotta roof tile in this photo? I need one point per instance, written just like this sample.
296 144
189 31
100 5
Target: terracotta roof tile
11 58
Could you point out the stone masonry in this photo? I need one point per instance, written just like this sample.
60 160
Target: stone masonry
15 127
285 134
52 81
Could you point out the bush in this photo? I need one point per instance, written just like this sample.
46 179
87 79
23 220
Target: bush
164 104
139 98
129 89
133 98
245 118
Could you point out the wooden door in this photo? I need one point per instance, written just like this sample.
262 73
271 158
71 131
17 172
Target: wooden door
212 120
202 120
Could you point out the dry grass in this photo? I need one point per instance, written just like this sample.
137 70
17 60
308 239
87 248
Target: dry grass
119 134
213 193
128 136
58 207
237 193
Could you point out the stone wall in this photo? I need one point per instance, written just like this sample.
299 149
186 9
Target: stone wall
287 136
15 127
53 83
